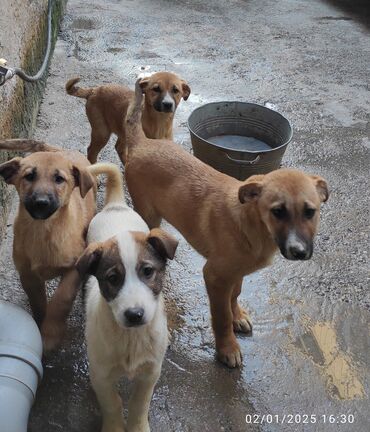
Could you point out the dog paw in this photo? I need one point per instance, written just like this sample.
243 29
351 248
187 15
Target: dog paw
243 323
230 356
52 334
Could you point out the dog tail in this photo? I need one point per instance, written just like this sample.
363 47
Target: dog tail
133 117
74 90
114 187
26 145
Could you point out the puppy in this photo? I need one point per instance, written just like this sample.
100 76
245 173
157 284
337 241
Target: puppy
237 226
126 327
106 109
56 204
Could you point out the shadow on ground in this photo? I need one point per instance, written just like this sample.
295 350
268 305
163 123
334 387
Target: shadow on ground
354 9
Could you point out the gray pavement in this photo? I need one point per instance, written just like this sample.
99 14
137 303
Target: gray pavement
310 349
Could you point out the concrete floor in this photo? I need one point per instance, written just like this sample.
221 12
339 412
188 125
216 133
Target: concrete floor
310 350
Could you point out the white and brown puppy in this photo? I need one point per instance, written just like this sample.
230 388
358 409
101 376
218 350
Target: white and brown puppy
107 105
126 326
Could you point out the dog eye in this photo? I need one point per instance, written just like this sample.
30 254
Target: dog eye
113 278
175 90
279 212
156 89
309 213
30 177
59 179
148 272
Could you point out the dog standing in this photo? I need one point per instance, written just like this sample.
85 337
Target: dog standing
237 226
126 326
56 204
106 109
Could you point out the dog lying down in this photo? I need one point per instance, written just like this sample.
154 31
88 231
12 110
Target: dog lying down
126 326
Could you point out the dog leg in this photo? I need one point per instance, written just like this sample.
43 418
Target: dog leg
121 149
220 292
138 407
109 400
35 290
241 320
54 325
141 206
99 139
153 220
151 217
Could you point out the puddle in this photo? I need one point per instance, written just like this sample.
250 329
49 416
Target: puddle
301 347
342 378
305 354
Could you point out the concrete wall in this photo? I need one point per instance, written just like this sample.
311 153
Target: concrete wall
23 25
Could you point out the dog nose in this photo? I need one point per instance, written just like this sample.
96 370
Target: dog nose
134 316
167 105
41 206
297 247
298 252
41 202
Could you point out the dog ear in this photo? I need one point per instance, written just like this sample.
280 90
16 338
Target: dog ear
143 83
321 187
185 90
163 243
88 262
9 170
250 191
83 179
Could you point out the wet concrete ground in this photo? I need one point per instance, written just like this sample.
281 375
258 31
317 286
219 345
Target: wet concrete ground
310 349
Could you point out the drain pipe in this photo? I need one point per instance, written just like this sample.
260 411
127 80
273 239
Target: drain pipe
6 73
20 366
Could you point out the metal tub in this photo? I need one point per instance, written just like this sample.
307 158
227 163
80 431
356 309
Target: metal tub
238 138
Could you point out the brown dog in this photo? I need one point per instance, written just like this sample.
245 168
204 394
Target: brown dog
237 226
56 204
107 105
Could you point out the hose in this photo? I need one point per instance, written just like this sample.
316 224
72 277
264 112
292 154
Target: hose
8 73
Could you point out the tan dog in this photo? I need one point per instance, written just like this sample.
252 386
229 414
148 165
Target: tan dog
56 204
107 105
237 226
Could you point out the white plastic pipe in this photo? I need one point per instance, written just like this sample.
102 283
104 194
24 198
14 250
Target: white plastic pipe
20 366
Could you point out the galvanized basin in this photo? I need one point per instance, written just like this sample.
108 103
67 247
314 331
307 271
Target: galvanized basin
239 138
